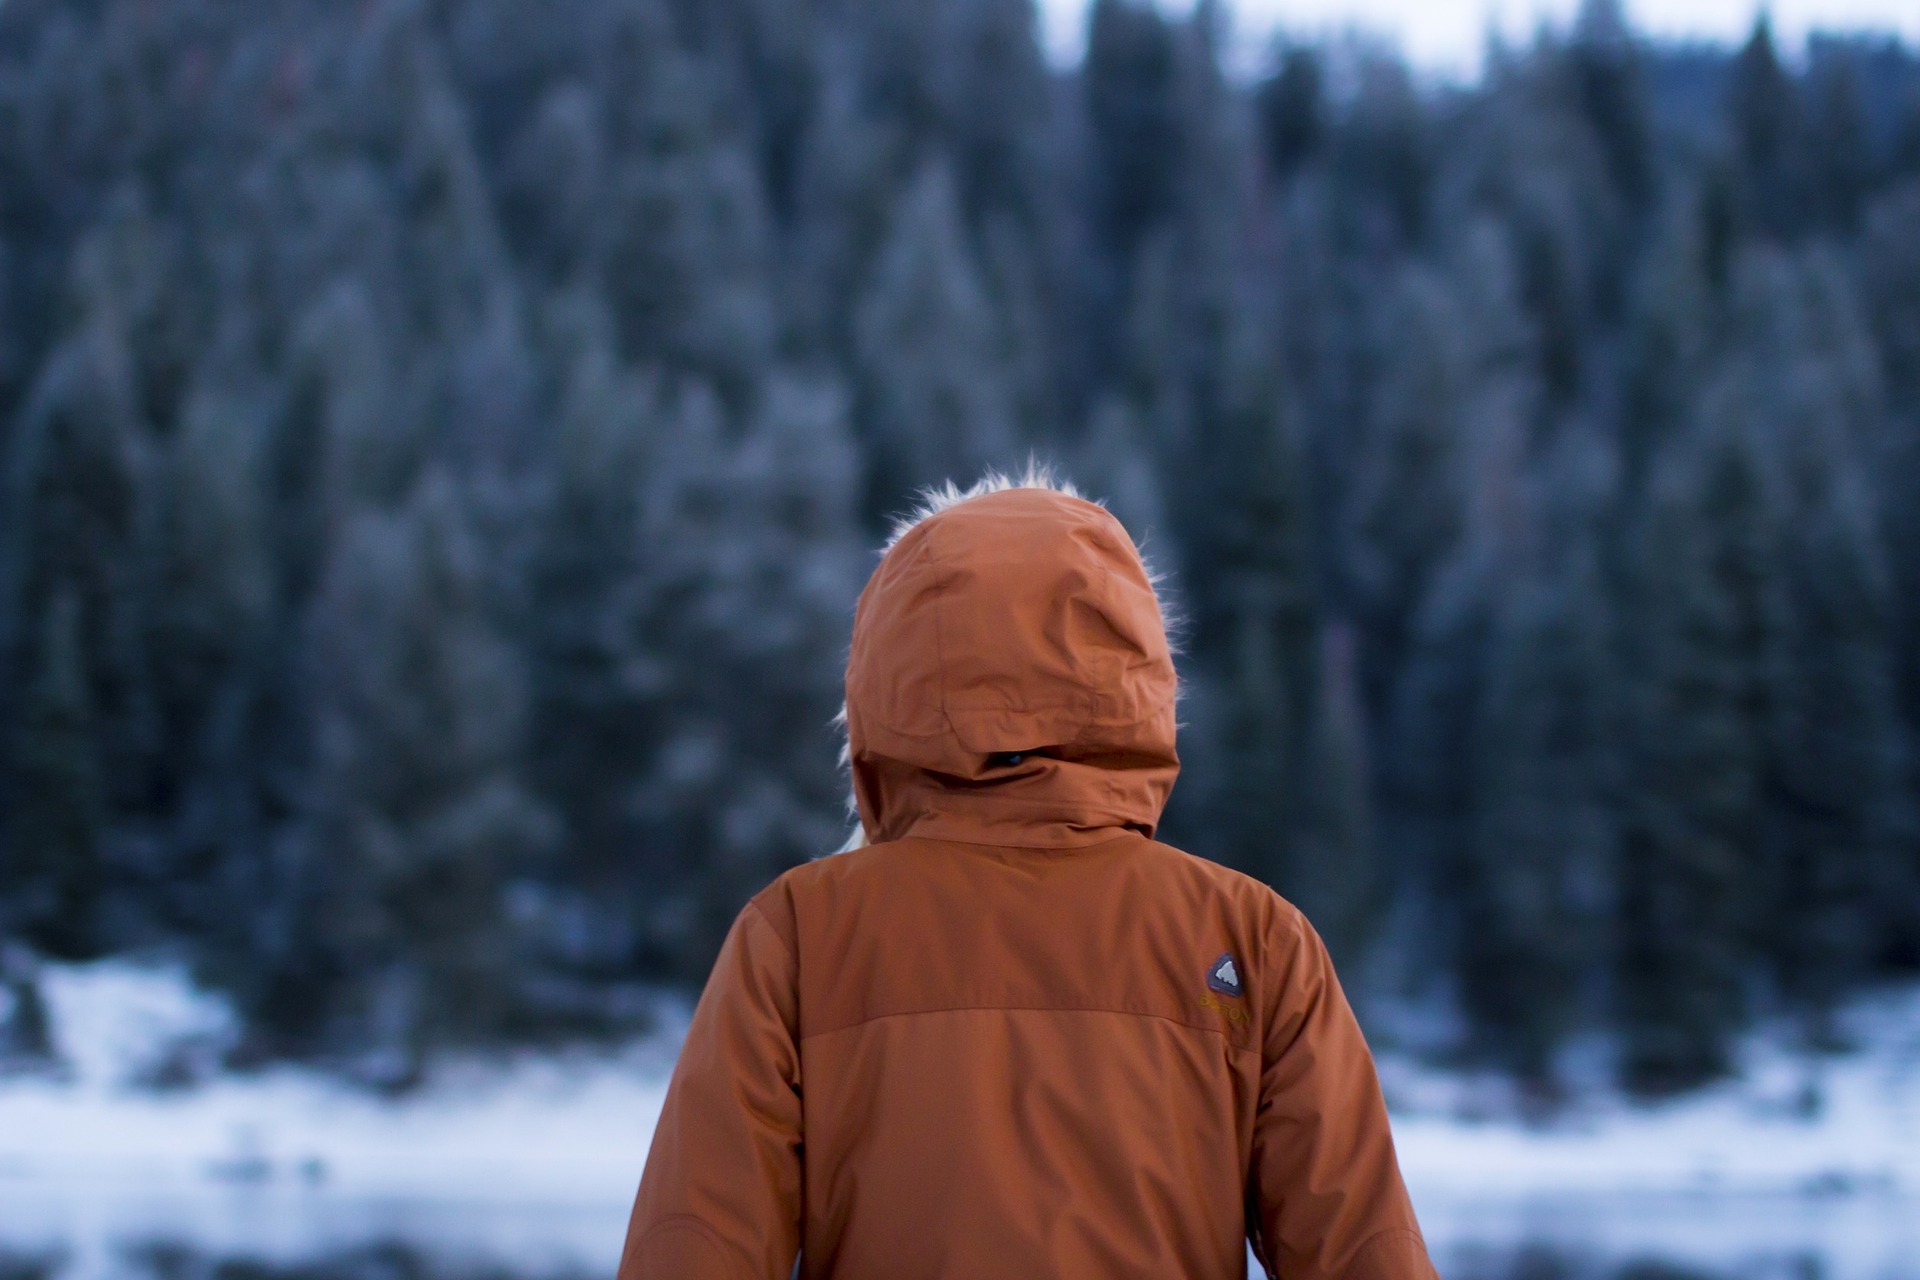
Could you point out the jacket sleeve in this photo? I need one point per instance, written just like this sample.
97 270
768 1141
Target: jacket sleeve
720 1198
1326 1201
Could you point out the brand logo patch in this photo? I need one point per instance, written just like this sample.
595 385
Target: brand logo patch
1224 976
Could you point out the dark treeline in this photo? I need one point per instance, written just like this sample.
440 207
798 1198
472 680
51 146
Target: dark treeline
441 440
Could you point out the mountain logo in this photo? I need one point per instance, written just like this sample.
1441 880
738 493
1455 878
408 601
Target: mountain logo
1224 976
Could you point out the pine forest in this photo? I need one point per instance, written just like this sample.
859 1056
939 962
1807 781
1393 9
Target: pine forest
441 442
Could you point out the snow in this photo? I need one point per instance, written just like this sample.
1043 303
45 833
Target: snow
1798 1165
562 1127
1788 1124
528 1164
532 1161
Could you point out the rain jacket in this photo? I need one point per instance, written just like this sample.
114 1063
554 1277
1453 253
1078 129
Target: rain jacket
1015 1037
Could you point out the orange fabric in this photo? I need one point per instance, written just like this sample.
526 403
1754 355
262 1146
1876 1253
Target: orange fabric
1016 1037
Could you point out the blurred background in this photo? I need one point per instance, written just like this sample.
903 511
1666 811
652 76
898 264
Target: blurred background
441 442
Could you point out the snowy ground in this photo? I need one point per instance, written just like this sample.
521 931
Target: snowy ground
1789 1124
528 1166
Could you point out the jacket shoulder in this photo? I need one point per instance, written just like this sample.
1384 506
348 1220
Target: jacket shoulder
1234 889
1272 930
777 902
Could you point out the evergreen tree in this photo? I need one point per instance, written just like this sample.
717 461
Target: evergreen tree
1890 278
1405 507
935 397
1292 107
1130 79
685 260
1769 136
79 491
1538 853
1611 88
1250 591
988 61
768 578
1426 781
1336 876
1382 160
1890 273
595 687
1701 650
393 883
212 629
1840 149
1903 161
688 579
1835 774
1672 331
57 814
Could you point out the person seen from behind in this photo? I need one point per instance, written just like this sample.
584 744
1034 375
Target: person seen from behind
1008 1034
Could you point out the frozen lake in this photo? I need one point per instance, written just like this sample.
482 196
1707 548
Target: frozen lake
300 1233
523 1168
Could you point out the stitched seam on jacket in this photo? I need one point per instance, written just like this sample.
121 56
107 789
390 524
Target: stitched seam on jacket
1379 1237
1031 1008
688 1222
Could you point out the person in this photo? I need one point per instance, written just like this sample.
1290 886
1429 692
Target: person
1012 1035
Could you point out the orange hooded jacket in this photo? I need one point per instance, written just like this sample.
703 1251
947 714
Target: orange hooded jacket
1014 1036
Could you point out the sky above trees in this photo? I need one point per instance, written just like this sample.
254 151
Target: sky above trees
1448 36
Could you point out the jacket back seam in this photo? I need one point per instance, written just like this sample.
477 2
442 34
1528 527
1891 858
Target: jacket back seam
1031 1008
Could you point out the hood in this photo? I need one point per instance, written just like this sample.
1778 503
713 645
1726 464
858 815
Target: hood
1010 680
